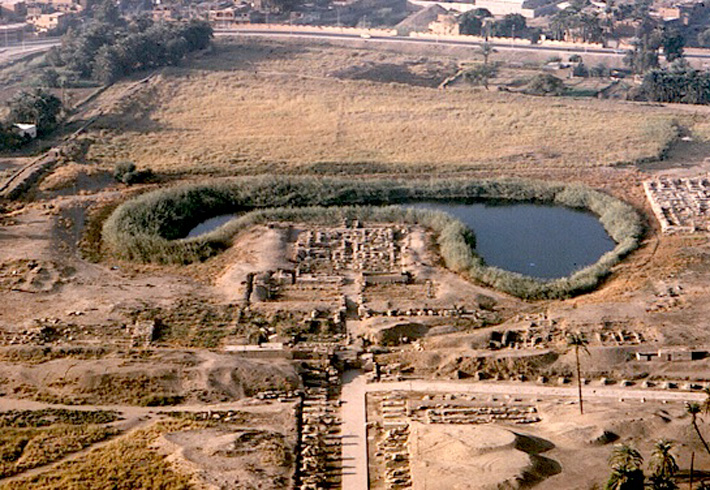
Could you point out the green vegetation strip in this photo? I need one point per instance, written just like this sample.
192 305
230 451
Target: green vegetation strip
150 228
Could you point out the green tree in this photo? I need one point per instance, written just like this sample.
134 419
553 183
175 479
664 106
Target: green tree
680 84
481 74
663 465
673 43
578 341
512 25
36 107
106 11
481 13
625 479
648 40
107 65
627 456
470 24
8 138
562 25
545 84
659 482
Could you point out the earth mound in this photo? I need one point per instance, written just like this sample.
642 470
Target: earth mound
445 456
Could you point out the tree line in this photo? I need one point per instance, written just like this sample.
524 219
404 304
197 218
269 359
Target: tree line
106 49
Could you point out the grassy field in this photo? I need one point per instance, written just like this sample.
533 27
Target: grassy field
270 107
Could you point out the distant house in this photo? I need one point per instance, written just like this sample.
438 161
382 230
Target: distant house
13 9
67 6
672 355
229 16
48 22
527 8
446 25
164 13
25 130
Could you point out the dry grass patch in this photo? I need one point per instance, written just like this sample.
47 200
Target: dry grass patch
125 464
245 110
29 439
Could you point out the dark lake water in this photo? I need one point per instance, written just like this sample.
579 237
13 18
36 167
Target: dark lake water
536 240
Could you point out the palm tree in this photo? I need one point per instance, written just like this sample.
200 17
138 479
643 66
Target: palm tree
627 456
663 465
694 409
706 402
662 462
660 482
578 341
626 472
625 479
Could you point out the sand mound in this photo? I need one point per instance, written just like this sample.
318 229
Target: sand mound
157 379
446 456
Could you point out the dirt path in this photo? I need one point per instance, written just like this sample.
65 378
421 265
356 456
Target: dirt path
534 390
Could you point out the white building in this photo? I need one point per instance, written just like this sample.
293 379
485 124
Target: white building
26 130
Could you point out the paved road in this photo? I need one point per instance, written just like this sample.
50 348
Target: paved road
353 431
615 53
13 52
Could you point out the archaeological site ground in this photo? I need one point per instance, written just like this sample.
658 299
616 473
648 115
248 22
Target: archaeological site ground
287 293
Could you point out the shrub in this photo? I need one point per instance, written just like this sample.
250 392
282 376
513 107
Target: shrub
545 84
161 400
127 173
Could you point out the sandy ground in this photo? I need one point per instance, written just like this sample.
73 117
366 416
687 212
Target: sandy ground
569 450
446 456
260 249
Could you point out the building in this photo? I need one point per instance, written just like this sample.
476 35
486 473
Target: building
13 9
527 8
49 22
26 130
445 25
61 5
164 13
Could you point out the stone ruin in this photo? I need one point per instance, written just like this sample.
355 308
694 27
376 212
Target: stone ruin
356 248
681 205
